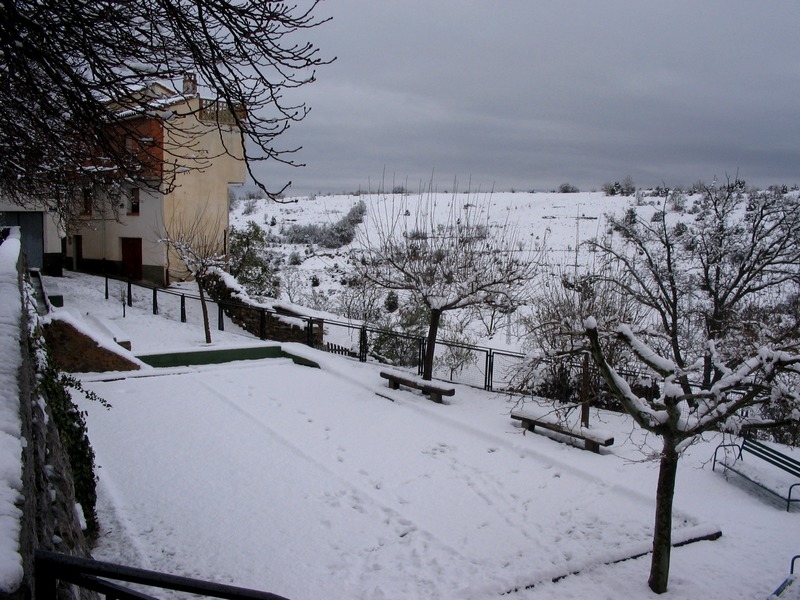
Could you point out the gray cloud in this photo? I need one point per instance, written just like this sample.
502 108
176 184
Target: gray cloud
531 94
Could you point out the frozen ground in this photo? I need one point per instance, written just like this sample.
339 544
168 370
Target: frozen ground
307 483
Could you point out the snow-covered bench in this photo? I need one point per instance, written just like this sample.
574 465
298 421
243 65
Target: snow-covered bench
53 294
592 438
433 390
774 483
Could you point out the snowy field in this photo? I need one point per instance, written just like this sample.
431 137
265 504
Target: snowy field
552 225
311 483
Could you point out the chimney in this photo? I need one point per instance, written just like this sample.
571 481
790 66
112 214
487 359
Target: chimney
189 84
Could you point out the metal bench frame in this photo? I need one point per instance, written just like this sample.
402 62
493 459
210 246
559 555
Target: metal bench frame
767 454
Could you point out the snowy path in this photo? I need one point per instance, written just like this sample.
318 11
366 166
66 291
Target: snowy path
294 480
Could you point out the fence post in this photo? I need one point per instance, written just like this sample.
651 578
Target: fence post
585 392
130 293
362 345
310 332
106 287
220 317
262 324
155 301
44 581
489 371
183 308
421 357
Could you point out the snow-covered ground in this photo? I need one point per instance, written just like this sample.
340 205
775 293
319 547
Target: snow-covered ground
311 483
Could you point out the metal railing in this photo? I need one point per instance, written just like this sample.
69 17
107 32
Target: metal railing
104 578
477 366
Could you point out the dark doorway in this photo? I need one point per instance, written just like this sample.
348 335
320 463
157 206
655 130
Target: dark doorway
77 252
132 257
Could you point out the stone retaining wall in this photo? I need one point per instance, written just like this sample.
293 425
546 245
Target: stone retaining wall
278 327
48 518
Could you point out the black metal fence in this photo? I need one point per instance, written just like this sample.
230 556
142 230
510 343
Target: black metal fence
477 366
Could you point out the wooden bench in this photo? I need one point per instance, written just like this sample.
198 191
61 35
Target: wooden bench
434 391
592 438
767 454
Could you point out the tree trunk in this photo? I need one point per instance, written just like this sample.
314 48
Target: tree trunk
662 535
433 329
204 308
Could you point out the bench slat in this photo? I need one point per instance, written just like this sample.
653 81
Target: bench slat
433 390
592 440
772 456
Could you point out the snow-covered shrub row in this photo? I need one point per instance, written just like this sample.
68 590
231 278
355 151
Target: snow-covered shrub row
326 235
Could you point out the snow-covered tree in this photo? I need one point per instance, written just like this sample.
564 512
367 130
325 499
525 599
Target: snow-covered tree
723 339
199 249
445 258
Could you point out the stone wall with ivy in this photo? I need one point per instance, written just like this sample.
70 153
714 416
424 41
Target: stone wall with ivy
49 516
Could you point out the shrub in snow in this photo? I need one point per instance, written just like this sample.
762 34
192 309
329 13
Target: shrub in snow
251 262
333 235
72 432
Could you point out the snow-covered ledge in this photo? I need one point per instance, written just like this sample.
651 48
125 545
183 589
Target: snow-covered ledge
38 509
11 443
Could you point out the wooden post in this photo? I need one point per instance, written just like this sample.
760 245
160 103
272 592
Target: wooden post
362 345
585 392
262 324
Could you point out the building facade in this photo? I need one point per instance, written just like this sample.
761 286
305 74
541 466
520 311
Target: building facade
190 154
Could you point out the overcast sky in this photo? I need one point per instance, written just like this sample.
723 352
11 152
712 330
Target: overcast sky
530 94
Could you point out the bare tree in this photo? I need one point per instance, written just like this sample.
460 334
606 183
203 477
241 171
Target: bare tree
704 283
445 261
568 296
75 75
199 248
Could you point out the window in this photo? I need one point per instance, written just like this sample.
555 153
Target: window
134 201
86 209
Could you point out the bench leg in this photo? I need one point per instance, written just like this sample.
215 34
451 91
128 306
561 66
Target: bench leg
592 445
394 385
436 397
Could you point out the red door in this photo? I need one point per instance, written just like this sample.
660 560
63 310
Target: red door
132 257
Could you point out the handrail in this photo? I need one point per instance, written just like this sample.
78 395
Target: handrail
49 567
794 560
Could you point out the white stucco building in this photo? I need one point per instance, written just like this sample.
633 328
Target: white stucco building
189 165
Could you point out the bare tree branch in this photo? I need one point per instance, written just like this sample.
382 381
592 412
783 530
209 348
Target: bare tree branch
74 77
